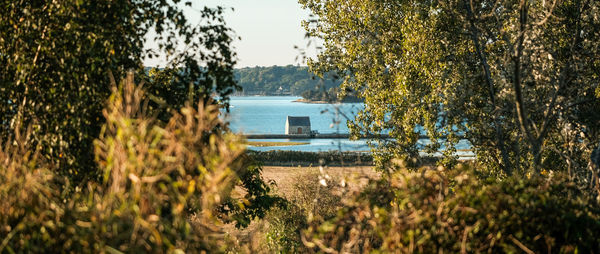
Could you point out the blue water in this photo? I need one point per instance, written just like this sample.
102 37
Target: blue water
267 115
316 145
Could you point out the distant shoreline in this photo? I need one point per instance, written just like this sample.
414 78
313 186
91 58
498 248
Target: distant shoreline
312 102
303 100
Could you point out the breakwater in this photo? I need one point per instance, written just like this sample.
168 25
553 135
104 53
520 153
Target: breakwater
324 136
309 136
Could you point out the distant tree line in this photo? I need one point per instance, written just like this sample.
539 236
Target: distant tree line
331 95
281 80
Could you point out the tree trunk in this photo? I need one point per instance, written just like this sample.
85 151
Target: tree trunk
488 78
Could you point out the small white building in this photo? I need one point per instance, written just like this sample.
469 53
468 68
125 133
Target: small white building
297 125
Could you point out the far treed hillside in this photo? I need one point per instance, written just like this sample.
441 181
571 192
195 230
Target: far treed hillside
281 80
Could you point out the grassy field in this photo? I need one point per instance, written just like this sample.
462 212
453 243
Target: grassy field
285 177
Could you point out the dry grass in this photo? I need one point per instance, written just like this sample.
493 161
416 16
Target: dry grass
285 177
162 184
252 239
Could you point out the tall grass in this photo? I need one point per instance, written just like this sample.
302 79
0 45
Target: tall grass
161 189
30 207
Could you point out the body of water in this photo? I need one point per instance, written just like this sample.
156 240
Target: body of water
316 145
267 115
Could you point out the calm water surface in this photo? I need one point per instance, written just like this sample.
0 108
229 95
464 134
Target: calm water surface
267 115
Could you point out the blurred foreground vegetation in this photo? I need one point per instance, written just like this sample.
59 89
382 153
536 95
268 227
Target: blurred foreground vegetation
164 187
98 156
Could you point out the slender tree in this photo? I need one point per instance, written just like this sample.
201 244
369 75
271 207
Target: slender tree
55 56
515 78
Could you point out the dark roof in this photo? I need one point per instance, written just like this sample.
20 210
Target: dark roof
298 120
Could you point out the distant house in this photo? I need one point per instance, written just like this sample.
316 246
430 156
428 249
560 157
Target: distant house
297 125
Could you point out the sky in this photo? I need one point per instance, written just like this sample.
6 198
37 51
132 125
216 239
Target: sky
269 30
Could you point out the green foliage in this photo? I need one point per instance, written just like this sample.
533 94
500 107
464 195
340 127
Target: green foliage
516 78
30 210
293 80
311 202
256 201
161 190
435 211
285 227
55 56
332 95
295 158
155 178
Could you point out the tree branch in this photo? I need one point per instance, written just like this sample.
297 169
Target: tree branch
521 114
488 78
562 82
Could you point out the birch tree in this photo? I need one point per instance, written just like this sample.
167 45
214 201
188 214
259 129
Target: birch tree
515 78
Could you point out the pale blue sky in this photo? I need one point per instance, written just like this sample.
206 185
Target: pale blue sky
269 30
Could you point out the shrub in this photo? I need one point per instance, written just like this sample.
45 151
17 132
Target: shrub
453 211
256 201
156 177
316 198
30 208
161 190
294 158
54 56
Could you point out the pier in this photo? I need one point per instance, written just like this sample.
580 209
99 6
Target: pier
324 135
309 136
